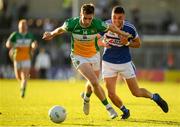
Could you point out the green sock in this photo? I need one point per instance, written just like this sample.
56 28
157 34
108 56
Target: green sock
105 102
88 94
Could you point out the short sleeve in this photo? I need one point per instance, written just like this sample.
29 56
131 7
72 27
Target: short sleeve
69 24
132 30
12 37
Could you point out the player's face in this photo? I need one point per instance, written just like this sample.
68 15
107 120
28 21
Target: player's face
86 19
23 27
117 19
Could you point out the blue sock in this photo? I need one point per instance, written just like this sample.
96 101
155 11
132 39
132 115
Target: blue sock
155 97
123 108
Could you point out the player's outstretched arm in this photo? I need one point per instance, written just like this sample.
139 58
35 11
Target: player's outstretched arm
52 34
102 42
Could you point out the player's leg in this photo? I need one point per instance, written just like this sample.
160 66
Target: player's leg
25 69
130 76
87 92
87 71
142 92
110 83
86 95
111 88
110 78
17 71
86 98
135 90
24 78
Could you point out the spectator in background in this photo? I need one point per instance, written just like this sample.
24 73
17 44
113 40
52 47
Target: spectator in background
170 60
48 25
173 28
136 20
169 25
43 63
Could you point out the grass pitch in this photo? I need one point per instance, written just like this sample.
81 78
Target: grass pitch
42 95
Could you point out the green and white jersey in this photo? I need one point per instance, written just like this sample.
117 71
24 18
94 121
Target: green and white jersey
84 40
21 44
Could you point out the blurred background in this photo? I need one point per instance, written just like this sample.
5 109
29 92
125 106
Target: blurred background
157 22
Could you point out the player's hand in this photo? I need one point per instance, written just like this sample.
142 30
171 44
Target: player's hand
106 43
124 40
47 36
126 34
103 43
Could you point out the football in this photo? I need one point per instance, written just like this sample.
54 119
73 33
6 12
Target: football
57 114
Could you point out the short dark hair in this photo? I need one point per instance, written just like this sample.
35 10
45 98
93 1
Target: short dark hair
118 9
87 9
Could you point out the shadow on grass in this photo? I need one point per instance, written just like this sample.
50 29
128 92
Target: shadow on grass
74 124
154 121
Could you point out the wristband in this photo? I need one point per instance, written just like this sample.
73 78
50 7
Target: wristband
127 44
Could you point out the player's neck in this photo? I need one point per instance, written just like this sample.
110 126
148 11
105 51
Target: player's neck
23 32
82 25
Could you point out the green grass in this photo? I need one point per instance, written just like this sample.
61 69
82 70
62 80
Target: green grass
42 95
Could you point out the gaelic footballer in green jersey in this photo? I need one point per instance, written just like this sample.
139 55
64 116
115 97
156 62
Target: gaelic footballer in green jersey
84 40
20 43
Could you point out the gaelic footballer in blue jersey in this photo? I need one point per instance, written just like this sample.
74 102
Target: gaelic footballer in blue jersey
117 60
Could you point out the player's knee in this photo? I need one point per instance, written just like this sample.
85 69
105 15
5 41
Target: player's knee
94 83
136 93
18 77
111 95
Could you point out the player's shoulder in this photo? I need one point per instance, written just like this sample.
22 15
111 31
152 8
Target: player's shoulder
73 20
129 25
14 33
96 20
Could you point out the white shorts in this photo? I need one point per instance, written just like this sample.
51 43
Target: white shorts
127 70
22 64
79 60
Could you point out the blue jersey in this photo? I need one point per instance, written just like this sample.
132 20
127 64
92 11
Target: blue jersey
118 54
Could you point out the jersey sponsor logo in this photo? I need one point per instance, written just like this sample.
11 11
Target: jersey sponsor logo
84 37
80 37
112 39
23 42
